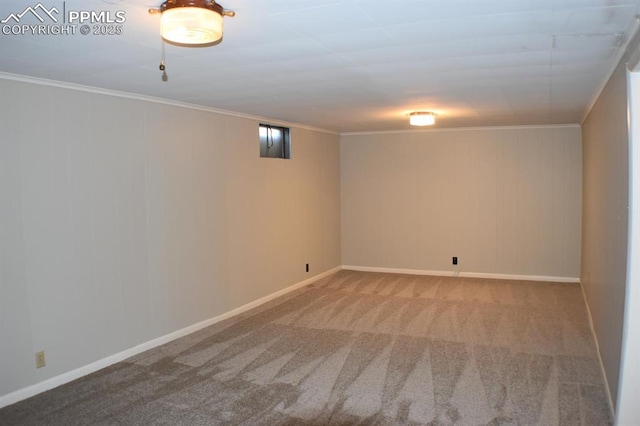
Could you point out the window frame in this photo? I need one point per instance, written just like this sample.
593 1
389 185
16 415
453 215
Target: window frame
284 140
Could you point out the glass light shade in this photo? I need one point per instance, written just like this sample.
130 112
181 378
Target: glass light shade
422 118
191 26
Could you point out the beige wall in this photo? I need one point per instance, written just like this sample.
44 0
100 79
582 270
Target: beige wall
604 231
123 220
505 201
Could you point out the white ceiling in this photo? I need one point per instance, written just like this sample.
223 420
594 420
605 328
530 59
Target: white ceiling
353 65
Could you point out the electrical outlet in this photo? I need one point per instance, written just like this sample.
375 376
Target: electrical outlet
307 267
40 362
454 260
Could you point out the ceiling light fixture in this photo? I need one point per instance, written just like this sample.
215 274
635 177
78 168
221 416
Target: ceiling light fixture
422 118
191 23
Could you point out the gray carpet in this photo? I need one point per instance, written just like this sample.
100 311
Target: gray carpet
359 348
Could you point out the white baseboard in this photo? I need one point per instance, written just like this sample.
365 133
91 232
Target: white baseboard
595 339
463 274
69 376
77 373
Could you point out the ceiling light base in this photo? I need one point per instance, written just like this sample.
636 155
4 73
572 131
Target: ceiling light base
191 23
422 118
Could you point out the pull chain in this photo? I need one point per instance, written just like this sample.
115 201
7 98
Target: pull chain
163 66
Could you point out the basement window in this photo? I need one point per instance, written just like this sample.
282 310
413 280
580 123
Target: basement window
275 141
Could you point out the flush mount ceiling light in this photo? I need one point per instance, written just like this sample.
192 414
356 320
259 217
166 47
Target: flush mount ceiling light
421 118
191 23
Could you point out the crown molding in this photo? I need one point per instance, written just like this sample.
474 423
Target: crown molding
464 129
145 98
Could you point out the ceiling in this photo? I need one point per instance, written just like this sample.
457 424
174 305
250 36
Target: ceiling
352 65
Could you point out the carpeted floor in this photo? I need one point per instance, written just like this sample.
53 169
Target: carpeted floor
359 348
